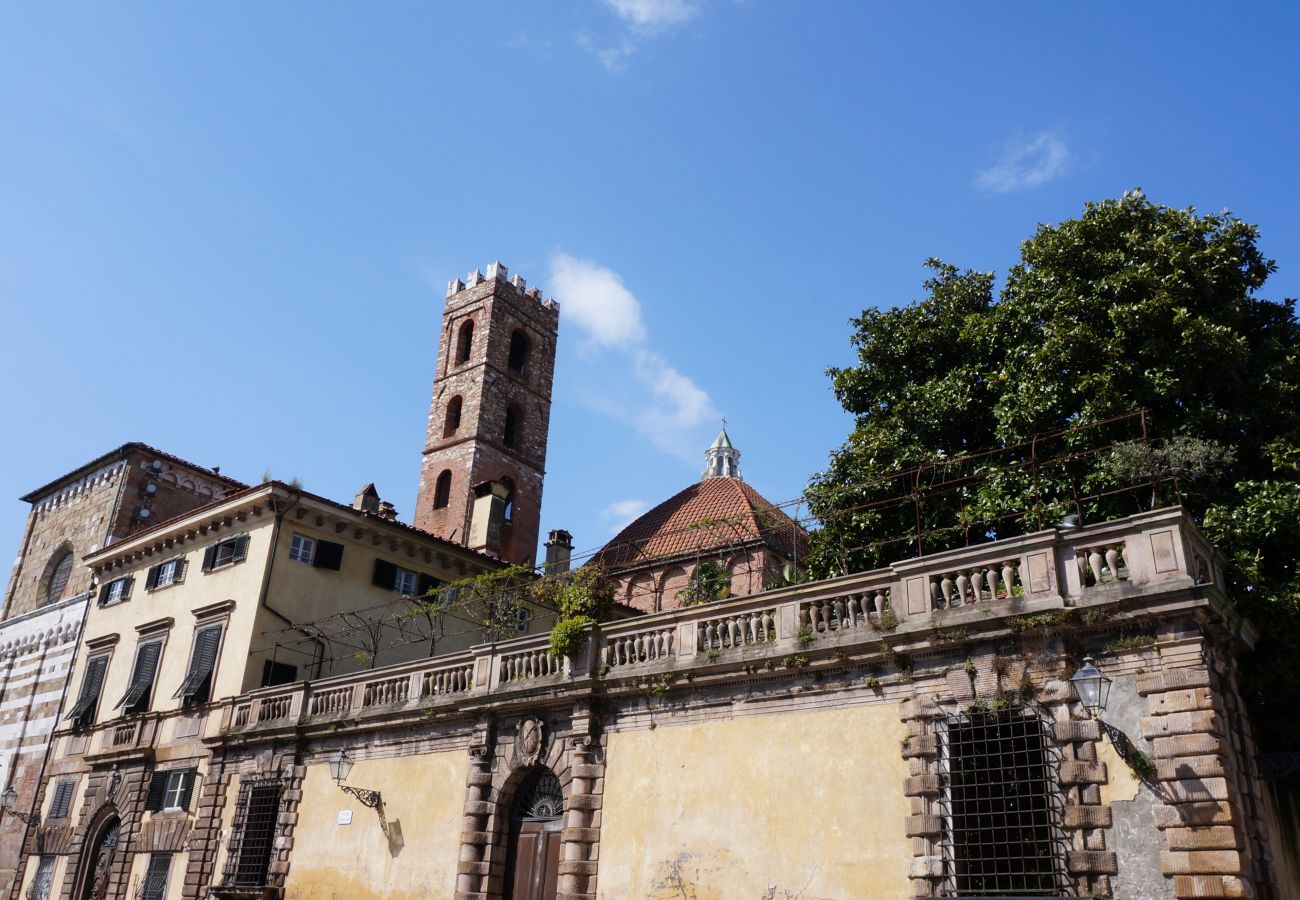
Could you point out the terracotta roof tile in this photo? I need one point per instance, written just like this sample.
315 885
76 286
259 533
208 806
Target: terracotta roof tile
709 515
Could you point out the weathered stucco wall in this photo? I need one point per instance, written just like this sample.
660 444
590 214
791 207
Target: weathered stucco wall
806 804
424 801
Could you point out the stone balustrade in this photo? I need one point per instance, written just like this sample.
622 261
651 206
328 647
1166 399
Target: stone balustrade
1147 554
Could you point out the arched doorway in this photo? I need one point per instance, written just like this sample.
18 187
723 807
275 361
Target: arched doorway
536 821
97 863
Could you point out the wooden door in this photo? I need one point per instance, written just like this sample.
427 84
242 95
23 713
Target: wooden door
534 860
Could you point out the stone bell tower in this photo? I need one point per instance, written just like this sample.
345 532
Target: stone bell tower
485 449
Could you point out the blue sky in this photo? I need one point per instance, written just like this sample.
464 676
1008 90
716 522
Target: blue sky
226 229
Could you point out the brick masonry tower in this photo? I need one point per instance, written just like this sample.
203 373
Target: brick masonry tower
485 449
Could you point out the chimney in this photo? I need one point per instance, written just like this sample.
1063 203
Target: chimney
367 499
488 514
559 551
387 511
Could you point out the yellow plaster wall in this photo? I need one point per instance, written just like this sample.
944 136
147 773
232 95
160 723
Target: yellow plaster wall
423 795
806 804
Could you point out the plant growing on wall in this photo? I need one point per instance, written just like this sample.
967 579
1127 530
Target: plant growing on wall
580 598
709 582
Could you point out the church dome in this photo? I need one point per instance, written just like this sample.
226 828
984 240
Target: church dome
712 515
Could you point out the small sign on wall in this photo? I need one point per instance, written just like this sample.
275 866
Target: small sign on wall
345 817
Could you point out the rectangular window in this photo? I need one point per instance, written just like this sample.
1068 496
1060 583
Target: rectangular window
44 879
395 578
62 802
171 789
83 711
329 555
302 549
140 691
404 583
256 815
165 574
197 686
1002 823
226 553
115 591
155 880
523 616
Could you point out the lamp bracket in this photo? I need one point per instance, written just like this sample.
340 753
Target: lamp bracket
31 820
372 799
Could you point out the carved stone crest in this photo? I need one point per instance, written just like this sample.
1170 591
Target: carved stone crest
529 741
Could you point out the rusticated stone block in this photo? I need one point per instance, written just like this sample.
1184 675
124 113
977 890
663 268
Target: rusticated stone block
1201 722
923 707
1186 745
1074 771
1189 767
1209 837
1087 816
918 826
583 801
921 785
1200 862
922 745
1076 730
959 685
577 867
1212 887
580 770
478 776
1092 862
1195 790
1187 700
1172 680
583 835
925 867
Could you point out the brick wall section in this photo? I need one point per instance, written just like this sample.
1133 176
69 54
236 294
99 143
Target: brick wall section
1211 817
488 387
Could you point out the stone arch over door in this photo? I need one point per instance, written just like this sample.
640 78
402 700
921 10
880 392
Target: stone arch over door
100 857
502 761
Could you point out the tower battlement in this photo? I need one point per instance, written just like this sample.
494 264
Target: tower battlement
497 272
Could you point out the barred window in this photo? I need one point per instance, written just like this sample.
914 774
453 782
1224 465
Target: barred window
44 878
256 813
155 880
1003 811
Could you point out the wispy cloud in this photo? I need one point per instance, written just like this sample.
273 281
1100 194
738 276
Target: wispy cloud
1026 162
621 513
642 19
654 15
595 299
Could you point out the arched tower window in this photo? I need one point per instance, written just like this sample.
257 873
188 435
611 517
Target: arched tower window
452 423
519 347
442 490
509 510
57 574
464 341
514 425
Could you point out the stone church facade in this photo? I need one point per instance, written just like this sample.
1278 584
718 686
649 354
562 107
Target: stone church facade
912 731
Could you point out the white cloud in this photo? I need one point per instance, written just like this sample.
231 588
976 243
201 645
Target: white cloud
1026 163
654 15
609 316
614 58
622 513
594 298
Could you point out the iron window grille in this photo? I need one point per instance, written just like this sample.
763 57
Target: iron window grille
541 797
165 574
83 711
40 889
155 879
257 811
138 693
302 549
116 591
197 686
226 553
1001 808
61 805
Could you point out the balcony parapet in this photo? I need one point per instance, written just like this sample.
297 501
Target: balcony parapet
1151 558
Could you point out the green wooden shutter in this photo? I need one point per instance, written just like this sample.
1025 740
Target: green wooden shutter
90 687
62 799
146 666
241 548
151 580
157 792
187 792
126 587
425 584
208 556
203 660
329 555
385 574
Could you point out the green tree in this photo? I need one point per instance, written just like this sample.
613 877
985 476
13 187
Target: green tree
709 582
1131 305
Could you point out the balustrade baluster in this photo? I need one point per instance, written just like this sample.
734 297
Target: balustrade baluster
1112 561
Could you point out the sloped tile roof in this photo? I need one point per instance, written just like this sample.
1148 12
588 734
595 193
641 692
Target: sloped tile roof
709 515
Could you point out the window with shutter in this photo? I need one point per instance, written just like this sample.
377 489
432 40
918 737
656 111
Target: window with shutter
157 791
426 584
155 880
115 591
140 690
226 553
329 555
302 549
151 580
197 686
169 573
83 711
62 802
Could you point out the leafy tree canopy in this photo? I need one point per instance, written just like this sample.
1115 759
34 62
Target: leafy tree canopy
1132 305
